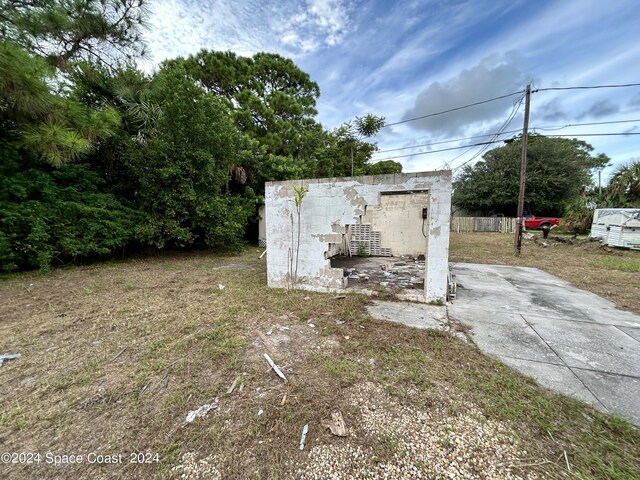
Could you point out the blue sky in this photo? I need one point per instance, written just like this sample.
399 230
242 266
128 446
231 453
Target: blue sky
410 58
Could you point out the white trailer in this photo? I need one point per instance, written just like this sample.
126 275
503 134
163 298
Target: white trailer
618 227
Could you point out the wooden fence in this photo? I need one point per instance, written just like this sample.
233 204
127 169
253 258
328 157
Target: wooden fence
483 224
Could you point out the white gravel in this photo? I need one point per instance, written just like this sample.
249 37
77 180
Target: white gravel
190 468
417 443
412 443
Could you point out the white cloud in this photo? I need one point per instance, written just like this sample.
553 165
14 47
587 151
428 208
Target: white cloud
288 27
324 23
492 77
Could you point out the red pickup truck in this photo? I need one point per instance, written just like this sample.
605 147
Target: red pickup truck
531 221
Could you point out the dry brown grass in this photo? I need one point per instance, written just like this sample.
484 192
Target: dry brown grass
182 341
613 273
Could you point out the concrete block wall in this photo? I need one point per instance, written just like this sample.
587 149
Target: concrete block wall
398 218
331 204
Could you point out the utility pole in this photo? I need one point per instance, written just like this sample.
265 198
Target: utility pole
523 172
600 180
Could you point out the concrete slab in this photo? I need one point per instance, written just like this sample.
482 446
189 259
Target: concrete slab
590 346
570 340
412 314
522 289
517 341
618 393
632 332
555 377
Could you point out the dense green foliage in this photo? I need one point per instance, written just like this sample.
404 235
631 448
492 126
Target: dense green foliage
51 216
179 176
625 182
61 31
97 157
558 170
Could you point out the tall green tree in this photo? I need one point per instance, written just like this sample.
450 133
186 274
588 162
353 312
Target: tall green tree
558 169
625 182
352 134
179 174
39 41
62 31
40 120
272 99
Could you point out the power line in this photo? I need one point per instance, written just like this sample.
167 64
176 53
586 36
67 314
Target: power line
549 127
514 111
436 151
587 87
624 134
444 141
581 87
586 124
453 109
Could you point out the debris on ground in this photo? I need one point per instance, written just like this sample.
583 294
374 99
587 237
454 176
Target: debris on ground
201 412
340 322
118 354
267 344
274 367
303 437
234 385
410 442
9 356
336 424
190 468
220 286
392 273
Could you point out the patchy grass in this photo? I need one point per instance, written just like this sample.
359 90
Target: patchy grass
112 369
606 271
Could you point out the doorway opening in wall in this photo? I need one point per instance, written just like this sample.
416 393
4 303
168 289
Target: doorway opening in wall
385 251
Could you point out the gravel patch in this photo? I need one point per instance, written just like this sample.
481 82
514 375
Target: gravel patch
190 468
417 443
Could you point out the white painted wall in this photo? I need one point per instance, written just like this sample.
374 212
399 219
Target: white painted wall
328 206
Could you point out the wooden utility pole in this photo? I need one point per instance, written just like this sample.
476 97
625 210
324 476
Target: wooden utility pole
523 171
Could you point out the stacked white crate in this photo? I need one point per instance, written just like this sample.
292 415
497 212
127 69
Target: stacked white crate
361 234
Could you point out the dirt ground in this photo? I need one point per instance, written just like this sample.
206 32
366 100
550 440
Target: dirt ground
115 356
613 273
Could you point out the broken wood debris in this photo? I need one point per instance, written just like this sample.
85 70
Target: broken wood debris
118 354
234 385
566 459
145 386
275 367
303 437
336 424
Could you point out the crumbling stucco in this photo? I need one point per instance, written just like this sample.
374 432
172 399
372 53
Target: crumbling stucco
331 204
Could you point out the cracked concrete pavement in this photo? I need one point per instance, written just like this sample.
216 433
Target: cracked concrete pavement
571 341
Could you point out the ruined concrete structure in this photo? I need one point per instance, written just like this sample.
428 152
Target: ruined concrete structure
377 215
